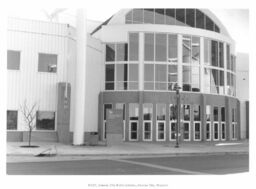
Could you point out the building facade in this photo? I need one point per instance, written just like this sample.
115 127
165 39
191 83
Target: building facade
133 61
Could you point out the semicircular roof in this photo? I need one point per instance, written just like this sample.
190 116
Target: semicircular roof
202 19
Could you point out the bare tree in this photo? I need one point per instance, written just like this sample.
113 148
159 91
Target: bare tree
29 114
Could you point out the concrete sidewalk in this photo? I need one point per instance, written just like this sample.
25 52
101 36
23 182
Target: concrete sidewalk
130 148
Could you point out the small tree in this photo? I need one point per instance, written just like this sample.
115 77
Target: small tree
29 114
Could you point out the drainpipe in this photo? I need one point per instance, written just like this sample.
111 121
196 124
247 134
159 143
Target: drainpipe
78 132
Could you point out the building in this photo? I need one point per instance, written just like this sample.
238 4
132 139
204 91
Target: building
131 62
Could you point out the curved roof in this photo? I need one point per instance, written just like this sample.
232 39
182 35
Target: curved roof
119 18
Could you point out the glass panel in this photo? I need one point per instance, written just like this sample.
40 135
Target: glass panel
159 16
186 131
223 114
216 131
197 116
228 57
173 112
160 111
133 72
47 62
214 48
214 81
149 47
121 54
172 48
106 107
147 130
186 46
209 24
110 72
121 76
128 18
216 28
161 130
137 16
161 47
12 119
149 16
121 106
200 17
207 80
233 115
207 51
221 55
173 130
197 131
223 131
160 77
180 17
133 46
172 76
195 78
148 72
186 77
190 17
208 113
147 111
13 60
186 112
215 114
170 16
221 87
134 111
110 52
45 120
208 131
195 50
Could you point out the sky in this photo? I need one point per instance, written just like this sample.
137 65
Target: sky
236 21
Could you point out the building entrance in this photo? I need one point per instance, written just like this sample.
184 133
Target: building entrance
114 127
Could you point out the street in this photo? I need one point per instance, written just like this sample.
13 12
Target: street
203 164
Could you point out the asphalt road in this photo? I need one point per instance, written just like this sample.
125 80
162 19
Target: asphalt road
206 164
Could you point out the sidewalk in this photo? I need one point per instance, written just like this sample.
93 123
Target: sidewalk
130 148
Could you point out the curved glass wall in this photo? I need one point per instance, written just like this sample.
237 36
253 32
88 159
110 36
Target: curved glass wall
160 62
181 17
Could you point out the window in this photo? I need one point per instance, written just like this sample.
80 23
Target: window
110 52
121 76
186 126
186 112
208 131
196 50
149 16
214 81
149 76
160 117
172 48
149 47
45 120
161 46
13 60
47 62
200 17
12 119
186 49
160 77
172 76
215 114
216 131
221 86
121 106
170 16
195 78
186 78
221 55
233 115
223 131
121 52
106 107
197 131
173 131
173 112
207 51
209 24
214 48
223 118
208 112
133 121
228 57
133 46
133 76
147 123
128 18
159 16
109 76
197 116
180 17
137 16
190 17
207 80
233 131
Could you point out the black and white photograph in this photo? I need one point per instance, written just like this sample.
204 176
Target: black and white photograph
160 92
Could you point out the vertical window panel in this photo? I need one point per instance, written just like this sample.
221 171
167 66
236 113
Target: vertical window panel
172 48
221 55
186 112
186 49
195 50
214 52
149 47
160 77
147 111
133 111
215 114
137 16
121 52
190 17
149 16
170 17
133 46
160 111
12 119
209 24
128 18
13 60
161 47
159 16
200 19
180 17
110 52
197 116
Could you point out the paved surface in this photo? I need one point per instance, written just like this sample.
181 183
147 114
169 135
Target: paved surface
117 165
129 148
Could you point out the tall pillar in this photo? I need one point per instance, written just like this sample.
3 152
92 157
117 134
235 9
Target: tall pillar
180 60
201 64
78 135
141 61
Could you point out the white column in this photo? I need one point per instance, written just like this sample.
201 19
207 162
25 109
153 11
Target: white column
78 134
225 67
180 60
141 61
202 64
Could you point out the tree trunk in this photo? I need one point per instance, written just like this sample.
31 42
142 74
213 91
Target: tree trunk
29 137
